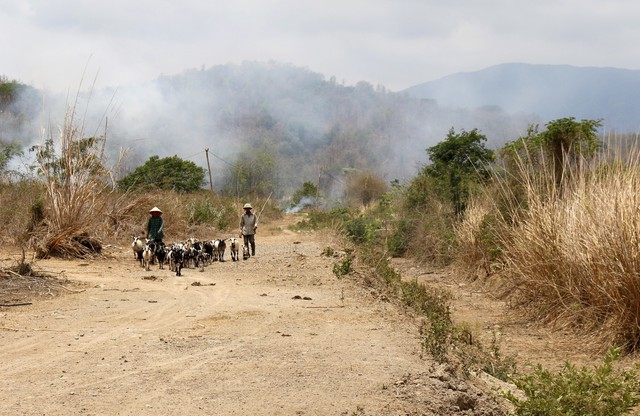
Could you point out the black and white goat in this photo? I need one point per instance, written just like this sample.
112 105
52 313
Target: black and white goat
219 247
176 258
159 253
207 249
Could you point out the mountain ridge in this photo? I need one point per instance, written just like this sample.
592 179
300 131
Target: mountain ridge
549 91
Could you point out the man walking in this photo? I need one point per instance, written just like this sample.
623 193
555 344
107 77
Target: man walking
248 227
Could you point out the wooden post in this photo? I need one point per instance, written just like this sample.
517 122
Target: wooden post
206 152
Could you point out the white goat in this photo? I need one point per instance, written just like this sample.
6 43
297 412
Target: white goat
138 247
147 255
233 248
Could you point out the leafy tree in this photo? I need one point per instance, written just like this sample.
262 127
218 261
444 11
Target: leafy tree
7 152
9 91
18 99
563 142
169 173
457 163
255 172
78 156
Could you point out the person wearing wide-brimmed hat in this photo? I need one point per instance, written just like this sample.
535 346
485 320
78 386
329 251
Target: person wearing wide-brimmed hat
248 227
155 225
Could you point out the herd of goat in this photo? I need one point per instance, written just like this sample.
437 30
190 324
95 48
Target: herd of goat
192 253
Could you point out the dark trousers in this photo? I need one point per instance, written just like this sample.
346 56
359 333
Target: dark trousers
250 241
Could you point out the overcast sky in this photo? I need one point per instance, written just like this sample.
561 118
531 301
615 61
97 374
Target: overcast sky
397 44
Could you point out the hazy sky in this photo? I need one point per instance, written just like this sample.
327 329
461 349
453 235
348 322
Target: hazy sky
395 43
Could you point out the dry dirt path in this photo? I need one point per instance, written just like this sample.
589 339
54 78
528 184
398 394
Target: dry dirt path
277 334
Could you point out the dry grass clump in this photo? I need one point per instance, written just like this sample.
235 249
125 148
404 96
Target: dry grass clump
76 183
22 208
363 188
574 252
472 234
125 215
431 229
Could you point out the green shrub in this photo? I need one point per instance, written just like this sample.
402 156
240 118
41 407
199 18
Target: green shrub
580 392
362 230
204 211
343 268
388 274
438 331
398 242
317 219
494 362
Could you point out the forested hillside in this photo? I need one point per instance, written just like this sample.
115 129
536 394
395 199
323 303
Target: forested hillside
269 127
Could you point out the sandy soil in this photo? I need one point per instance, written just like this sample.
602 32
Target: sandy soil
278 334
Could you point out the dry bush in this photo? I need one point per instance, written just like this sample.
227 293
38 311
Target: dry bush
72 167
432 239
125 216
574 252
473 235
21 207
363 188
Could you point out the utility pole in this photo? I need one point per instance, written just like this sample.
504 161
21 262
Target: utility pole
318 189
206 152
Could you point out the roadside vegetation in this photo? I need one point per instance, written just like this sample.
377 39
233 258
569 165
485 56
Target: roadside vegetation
554 217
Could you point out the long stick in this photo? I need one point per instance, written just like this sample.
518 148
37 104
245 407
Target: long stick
263 205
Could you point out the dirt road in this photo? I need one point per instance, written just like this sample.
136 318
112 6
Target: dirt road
278 334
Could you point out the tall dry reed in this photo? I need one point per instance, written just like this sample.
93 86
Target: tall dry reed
573 251
473 235
72 167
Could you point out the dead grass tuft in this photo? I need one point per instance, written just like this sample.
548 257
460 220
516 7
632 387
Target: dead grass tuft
574 252
472 235
22 205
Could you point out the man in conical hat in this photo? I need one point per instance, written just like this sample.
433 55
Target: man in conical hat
155 225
